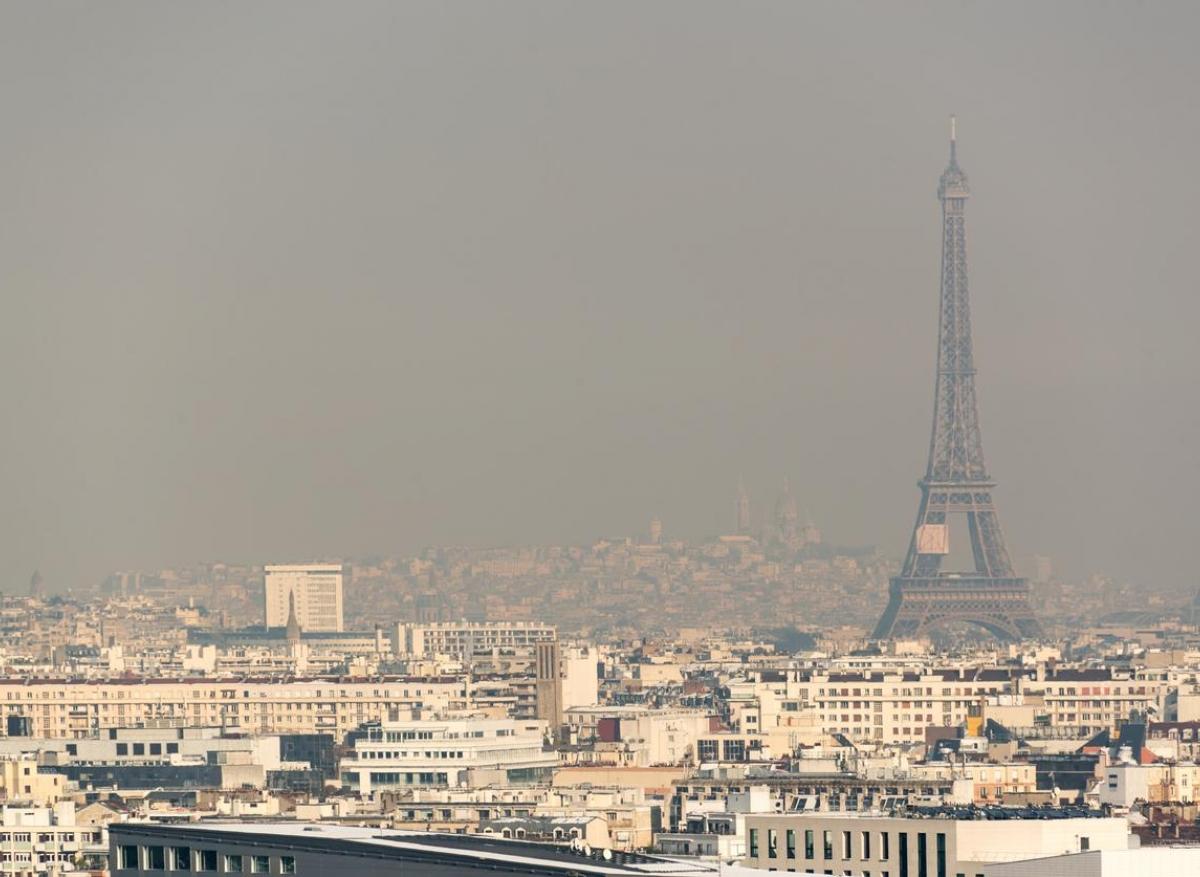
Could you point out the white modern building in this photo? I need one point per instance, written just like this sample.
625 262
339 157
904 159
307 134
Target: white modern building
462 638
317 588
448 753
939 842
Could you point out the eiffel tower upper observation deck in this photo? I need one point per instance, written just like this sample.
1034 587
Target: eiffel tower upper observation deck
956 481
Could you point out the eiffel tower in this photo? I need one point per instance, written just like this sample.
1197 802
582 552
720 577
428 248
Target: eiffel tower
956 480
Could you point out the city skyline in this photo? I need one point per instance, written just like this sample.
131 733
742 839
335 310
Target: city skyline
449 292
448 437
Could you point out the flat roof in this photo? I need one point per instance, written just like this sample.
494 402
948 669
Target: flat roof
951 813
487 850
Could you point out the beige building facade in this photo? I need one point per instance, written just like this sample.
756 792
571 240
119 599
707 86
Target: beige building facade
77 708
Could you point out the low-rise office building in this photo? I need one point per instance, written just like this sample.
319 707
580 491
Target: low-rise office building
934 842
448 753
154 757
839 792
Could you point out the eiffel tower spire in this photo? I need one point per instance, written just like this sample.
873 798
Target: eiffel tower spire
956 481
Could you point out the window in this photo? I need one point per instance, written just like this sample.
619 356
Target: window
808 843
156 749
122 749
260 864
127 857
287 864
791 843
866 845
181 858
827 844
922 855
156 859
885 845
233 864
847 853
172 748
903 835
941 854
772 843
753 842
139 748
206 860
1085 843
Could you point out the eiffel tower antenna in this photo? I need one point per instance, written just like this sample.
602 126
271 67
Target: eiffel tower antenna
956 481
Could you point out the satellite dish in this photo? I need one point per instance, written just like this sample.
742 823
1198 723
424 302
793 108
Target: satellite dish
608 855
587 849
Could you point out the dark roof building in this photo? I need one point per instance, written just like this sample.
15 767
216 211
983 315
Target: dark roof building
316 849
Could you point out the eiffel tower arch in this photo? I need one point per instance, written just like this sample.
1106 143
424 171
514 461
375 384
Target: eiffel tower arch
956 481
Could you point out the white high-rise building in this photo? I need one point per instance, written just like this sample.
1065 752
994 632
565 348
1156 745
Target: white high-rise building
318 594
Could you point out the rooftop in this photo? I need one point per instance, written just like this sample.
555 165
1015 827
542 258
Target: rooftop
453 849
960 813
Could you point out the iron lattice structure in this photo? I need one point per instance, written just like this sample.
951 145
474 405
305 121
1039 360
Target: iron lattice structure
956 480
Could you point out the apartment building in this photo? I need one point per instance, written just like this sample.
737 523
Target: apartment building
618 818
21 781
315 590
1158 783
77 708
42 840
1094 700
639 736
1178 741
898 707
937 843
448 753
717 835
883 707
462 638
991 781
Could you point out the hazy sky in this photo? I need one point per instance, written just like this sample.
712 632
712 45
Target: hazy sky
283 280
